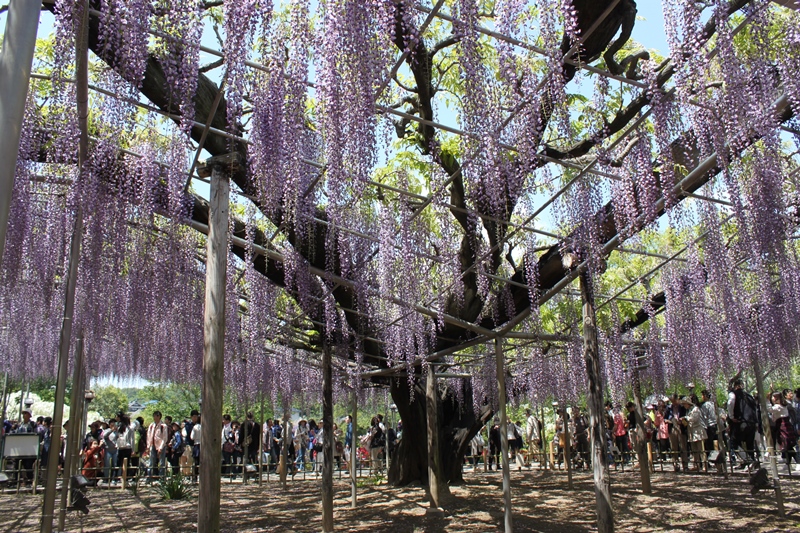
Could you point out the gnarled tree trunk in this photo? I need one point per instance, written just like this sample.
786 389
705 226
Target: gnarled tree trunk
458 424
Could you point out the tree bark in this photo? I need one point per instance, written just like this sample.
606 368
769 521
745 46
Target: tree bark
328 441
773 461
458 425
597 429
354 452
508 517
208 504
641 445
436 487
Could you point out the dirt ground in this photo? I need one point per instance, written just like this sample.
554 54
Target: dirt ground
541 502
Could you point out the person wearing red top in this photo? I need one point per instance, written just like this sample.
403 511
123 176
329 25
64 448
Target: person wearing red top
621 435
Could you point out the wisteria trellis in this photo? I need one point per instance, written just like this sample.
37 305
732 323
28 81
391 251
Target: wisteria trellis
364 263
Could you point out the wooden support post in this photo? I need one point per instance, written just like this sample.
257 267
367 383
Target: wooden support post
723 450
5 401
286 435
65 337
543 436
3 413
354 451
125 471
434 454
773 461
328 441
74 432
22 396
220 168
36 465
261 442
16 59
644 465
597 431
508 521
567 450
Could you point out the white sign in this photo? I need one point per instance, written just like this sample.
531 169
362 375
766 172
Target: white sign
22 445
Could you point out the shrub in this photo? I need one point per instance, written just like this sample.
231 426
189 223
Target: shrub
174 487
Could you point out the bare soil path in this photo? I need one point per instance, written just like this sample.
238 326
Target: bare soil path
541 502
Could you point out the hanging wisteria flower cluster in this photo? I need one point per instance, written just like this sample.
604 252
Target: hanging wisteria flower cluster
370 263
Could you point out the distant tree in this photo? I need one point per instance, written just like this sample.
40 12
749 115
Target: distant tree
108 401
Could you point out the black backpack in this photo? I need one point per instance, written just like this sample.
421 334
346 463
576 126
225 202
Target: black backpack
188 440
747 408
379 440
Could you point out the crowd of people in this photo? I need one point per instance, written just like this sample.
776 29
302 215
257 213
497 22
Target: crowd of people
678 430
121 446
687 432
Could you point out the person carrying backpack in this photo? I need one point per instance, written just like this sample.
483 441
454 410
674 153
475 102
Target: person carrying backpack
743 422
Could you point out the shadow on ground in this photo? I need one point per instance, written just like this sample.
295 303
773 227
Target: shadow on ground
541 503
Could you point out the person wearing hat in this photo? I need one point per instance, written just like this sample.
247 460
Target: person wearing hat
27 426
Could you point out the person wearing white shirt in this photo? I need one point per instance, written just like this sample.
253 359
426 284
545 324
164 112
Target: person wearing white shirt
709 415
532 432
785 434
195 436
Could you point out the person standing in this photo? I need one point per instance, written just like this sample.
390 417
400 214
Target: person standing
785 434
631 426
251 432
110 438
348 440
513 441
678 442
175 449
743 422
533 433
301 443
228 444
27 426
695 430
125 442
621 434
708 410
662 430
266 436
377 442
196 429
582 436
157 440
277 442
188 442
494 444
47 439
